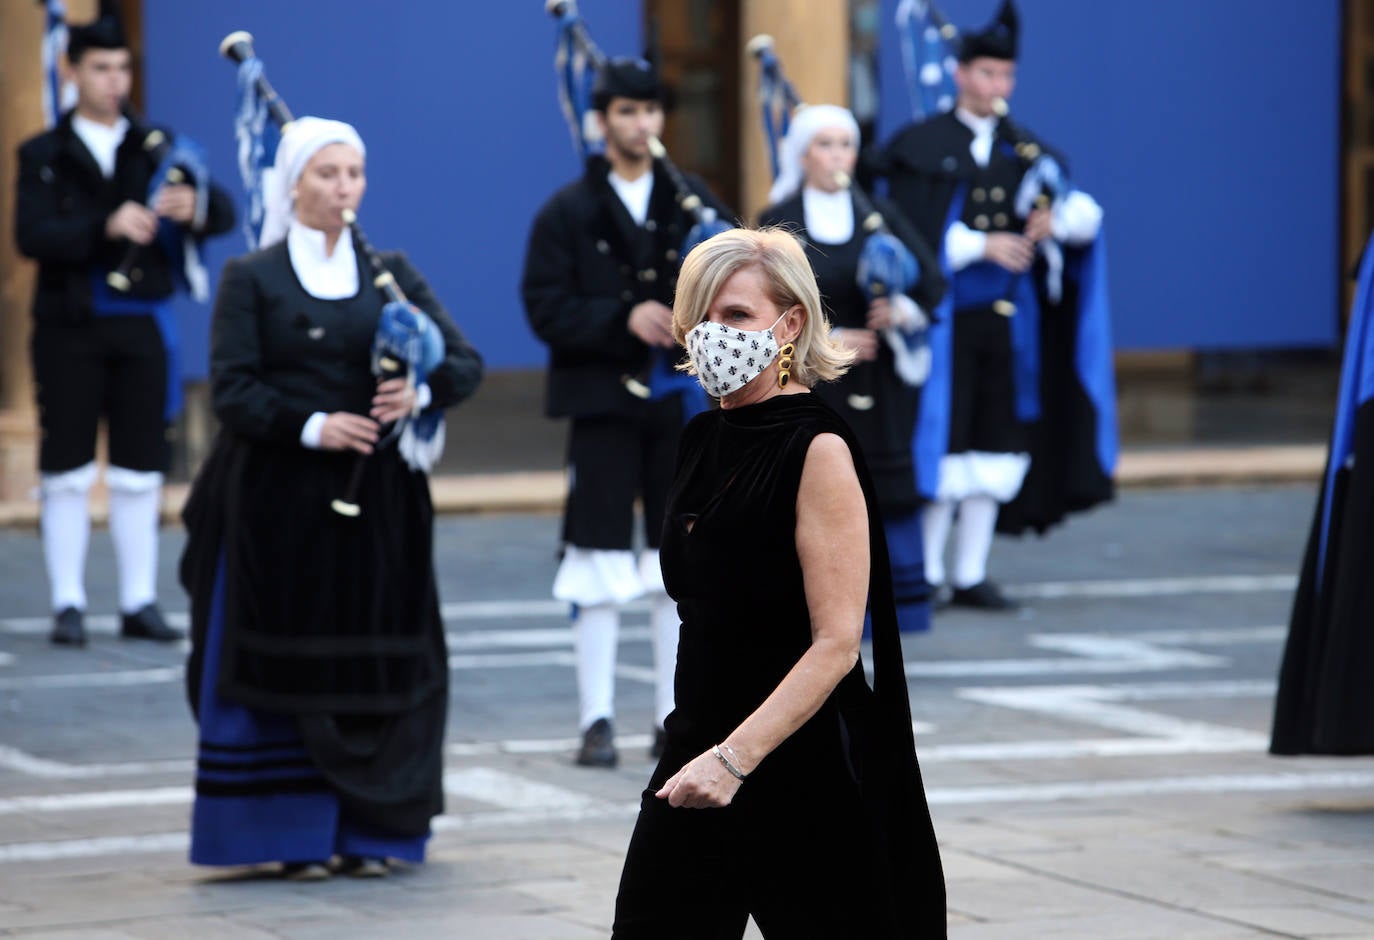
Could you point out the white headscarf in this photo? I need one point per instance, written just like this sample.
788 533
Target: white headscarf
806 124
304 138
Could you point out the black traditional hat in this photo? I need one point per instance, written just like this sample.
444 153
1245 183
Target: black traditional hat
997 40
626 78
106 32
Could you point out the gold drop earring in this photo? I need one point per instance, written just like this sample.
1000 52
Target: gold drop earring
785 364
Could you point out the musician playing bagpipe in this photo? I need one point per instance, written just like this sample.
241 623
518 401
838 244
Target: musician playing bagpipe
1020 407
319 672
600 270
881 322
94 196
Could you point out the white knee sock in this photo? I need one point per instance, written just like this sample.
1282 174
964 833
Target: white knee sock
66 525
665 628
135 498
596 632
977 521
935 522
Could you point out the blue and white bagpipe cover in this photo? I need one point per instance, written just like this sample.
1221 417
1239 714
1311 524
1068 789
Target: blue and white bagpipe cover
928 57
187 157
887 268
257 138
576 72
407 334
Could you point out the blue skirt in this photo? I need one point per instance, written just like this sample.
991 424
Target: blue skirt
259 798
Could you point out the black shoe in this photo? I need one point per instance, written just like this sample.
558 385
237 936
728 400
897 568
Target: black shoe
305 871
941 595
660 743
598 746
357 866
983 596
147 624
68 628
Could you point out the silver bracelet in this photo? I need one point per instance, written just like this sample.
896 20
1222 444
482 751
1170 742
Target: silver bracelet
734 755
734 771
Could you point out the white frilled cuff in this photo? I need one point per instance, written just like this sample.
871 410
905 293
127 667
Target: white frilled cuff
977 473
591 576
1077 219
124 480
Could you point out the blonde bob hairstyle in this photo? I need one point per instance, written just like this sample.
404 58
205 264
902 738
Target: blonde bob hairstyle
778 254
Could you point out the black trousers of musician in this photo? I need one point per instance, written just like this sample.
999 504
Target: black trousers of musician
983 388
112 367
613 460
798 864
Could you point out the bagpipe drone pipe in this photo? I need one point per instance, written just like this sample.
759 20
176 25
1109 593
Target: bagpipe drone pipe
407 344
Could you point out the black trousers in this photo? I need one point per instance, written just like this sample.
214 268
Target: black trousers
796 861
983 389
112 367
613 460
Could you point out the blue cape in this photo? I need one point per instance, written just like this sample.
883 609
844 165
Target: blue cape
1357 387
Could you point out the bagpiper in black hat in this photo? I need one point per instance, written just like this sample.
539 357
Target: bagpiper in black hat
105 32
626 78
997 40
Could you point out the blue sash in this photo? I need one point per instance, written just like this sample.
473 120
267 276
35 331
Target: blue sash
105 302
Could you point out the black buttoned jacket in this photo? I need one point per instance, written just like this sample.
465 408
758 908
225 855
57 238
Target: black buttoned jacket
62 204
586 266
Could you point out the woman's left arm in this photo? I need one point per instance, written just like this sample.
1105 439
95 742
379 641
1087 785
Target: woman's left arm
832 544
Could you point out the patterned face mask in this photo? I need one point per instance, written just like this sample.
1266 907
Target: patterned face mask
727 359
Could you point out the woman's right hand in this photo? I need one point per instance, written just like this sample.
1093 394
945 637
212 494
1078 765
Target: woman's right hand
343 430
703 783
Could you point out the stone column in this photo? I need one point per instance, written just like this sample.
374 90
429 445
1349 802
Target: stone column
811 38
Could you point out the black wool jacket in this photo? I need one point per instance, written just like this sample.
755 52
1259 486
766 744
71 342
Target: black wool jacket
62 204
587 265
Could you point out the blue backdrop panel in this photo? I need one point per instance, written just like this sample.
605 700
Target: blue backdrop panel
1209 132
456 102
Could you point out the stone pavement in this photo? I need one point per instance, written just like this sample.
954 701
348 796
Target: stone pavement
1095 763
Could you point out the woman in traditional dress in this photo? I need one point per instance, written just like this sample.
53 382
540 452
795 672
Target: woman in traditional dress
879 395
318 672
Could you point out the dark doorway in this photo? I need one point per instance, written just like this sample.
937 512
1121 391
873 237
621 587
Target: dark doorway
699 45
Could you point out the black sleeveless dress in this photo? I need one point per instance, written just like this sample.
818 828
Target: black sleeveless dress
830 836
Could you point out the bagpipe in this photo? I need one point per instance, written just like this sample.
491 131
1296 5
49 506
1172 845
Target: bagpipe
407 344
179 161
576 61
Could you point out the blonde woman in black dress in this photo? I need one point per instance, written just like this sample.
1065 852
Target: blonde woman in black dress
789 789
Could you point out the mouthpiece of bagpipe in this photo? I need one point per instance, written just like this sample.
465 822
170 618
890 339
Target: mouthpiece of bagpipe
1000 107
